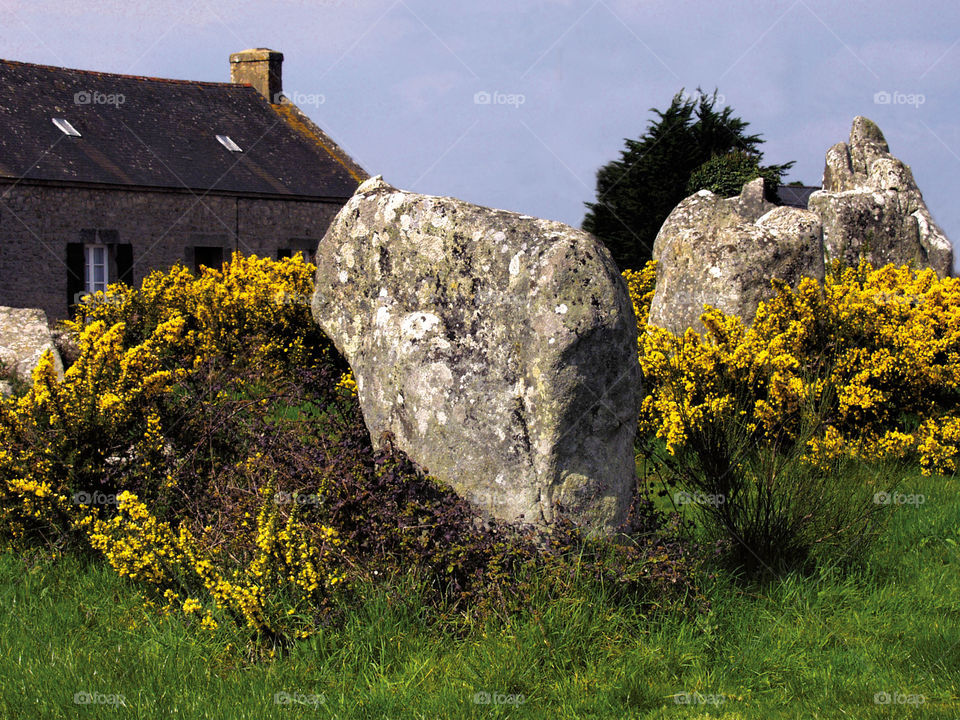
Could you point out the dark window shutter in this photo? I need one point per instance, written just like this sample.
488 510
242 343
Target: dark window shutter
125 263
207 256
283 253
189 257
75 274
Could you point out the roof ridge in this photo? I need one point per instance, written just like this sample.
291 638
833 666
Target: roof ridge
98 73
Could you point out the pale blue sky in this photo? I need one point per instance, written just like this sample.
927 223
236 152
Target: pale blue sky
394 81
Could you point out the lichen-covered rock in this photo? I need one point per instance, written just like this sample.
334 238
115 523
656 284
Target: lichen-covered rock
24 337
497 348
724 253
871 208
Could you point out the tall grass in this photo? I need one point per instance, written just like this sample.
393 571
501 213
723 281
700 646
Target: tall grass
832 643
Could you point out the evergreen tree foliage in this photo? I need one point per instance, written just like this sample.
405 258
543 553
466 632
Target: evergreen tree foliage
636 192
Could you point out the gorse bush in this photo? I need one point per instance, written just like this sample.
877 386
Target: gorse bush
206 441
876 351
772 423
251 303
767 505
159 432
641 284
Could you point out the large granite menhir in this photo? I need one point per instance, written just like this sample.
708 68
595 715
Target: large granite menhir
723 252
24 338
871 207
497 348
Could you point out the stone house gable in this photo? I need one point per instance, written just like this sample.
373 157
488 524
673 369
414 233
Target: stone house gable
107 177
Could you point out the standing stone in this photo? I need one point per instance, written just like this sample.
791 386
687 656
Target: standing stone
24 337
871 207
497 348
724 253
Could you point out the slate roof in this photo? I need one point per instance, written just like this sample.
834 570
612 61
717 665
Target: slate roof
795 195
162 134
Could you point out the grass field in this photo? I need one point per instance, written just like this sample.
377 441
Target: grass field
879 642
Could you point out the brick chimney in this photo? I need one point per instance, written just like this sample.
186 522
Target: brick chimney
260 67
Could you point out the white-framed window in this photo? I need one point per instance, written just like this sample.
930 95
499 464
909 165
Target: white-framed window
95 268
305 255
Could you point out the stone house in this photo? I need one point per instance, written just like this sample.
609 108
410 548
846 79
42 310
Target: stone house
107 177
795 195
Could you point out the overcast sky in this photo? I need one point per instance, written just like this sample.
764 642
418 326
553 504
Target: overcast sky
401 84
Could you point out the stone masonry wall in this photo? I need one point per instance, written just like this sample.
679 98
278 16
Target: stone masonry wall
37 222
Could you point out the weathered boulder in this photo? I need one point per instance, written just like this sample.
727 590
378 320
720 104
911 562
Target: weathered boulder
24 337
497 348
724 253
870 207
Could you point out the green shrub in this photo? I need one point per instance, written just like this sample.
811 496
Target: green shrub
726 175
767 504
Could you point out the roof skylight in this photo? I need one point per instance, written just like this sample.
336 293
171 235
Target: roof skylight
65 127
228 143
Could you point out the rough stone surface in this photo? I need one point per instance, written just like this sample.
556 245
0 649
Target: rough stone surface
498 349
24 337
724 253
871 207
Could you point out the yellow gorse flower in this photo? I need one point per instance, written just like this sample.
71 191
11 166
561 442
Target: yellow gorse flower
886 341
113 392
